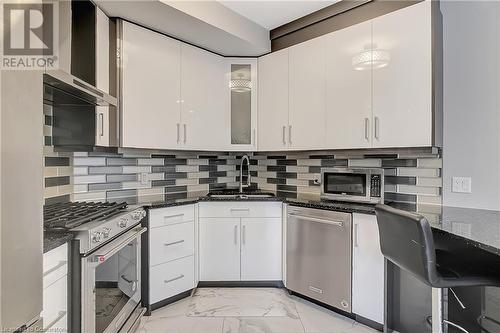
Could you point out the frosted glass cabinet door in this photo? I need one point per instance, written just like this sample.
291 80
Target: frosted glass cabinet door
150 97
273 101
402 90
205 100
307 95
348 88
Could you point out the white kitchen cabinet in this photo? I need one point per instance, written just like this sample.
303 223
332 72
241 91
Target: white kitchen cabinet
240 241
172 241
241 82
273 101
402 91
307 95
205 119
55 289
348 91
367 269
150 94
261 249
219 249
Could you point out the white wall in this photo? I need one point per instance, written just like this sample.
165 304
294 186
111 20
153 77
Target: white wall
471 101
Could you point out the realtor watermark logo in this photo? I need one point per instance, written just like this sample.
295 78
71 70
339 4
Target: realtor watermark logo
30 32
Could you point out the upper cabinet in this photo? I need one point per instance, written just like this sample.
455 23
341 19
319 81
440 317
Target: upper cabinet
402 90
205 121
242 81
348 88
306 129
273 101
150 89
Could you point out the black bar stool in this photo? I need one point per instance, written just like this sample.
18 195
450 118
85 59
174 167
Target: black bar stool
407 240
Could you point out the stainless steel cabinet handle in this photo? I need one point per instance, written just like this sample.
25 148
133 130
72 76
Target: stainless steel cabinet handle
235 235
240 209
56 267
178 132
175 278
244 234
367 126
174 243
60 315
316 219
165 218
126 279
185 133
377 128
284 135
356 229
290 134
101 122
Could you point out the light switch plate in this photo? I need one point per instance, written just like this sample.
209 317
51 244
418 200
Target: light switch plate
461 184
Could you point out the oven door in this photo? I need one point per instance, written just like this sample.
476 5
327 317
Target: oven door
346 185
111 283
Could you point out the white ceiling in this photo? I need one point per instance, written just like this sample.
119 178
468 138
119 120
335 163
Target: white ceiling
274 13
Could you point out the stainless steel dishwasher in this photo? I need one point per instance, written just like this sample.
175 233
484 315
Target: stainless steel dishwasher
318 263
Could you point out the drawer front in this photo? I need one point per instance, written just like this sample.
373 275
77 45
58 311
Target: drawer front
240 209
55 306
170 279
166 216
171 242
55 265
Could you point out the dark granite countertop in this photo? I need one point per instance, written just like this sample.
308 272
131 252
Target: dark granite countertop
478 227
54 239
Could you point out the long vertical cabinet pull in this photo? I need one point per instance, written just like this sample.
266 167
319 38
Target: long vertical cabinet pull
185 133
178 133
284 135
101 124
356 231
244 234
367 129
377 128
235 235
290 134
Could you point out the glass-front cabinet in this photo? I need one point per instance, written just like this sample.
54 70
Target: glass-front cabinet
242 83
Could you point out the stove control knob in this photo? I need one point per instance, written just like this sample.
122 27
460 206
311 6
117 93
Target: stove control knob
96 236
138 215
105 232
122 223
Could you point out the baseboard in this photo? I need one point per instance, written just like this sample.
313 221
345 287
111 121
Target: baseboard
243 284
369 323
167 301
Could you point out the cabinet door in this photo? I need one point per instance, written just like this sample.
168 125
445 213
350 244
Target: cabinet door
368 269
261 249
219 249
273 101
348 89
242 85
150 97
307 95
402 90
205 100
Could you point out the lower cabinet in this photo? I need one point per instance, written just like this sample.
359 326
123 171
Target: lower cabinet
246 247
55 290
368 269
171 252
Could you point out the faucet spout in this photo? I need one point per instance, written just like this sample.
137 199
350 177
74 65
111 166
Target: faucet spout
243 159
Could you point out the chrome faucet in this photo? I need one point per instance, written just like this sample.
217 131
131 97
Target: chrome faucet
243 159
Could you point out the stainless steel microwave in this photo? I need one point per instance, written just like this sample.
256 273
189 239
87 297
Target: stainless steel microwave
365 185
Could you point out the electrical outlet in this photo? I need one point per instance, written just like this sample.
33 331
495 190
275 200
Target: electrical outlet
461 184
144 178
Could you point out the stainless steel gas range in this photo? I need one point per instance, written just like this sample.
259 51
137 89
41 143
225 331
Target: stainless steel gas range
105 264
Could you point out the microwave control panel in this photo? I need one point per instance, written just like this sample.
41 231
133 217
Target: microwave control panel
375 186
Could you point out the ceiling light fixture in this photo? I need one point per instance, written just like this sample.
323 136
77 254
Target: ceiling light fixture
371 57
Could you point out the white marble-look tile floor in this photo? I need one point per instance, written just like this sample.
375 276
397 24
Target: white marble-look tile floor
247 310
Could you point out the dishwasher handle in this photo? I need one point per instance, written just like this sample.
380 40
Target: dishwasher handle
316 219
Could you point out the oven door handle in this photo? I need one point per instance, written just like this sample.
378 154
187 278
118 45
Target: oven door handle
110 250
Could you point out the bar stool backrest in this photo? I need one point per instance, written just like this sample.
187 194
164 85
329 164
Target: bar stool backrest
406 240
